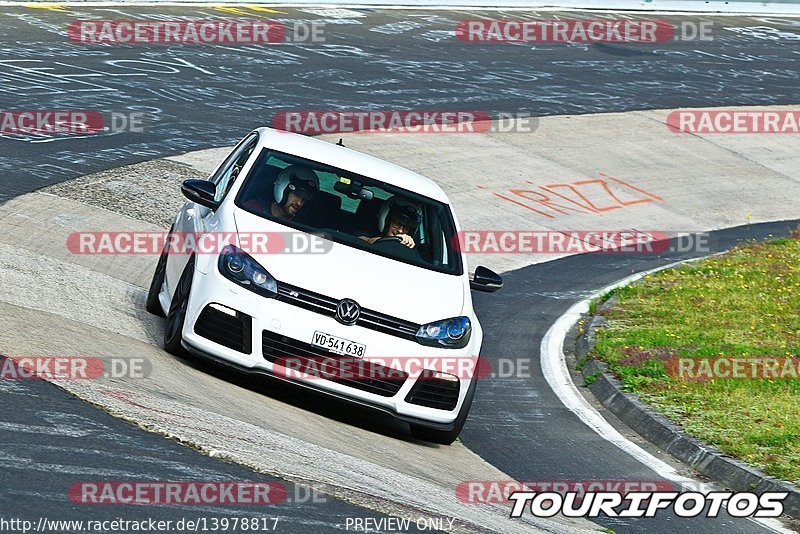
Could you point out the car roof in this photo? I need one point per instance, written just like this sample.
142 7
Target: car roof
350 160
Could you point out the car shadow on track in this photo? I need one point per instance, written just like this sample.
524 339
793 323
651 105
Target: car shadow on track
301 397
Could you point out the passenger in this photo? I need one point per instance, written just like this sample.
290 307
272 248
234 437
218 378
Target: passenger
397 218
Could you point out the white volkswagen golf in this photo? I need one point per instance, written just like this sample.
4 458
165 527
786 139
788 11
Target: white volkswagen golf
379 312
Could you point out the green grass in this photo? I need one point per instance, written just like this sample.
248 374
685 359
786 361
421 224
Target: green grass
597 301
590 379
744 303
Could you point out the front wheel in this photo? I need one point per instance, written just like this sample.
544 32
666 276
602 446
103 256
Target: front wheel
176 317
447 437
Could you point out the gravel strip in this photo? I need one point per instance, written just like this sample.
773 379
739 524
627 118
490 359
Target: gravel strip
136 191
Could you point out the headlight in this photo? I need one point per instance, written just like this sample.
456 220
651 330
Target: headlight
238 267
449 334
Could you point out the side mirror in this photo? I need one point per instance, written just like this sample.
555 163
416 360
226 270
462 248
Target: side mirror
201 192
485 280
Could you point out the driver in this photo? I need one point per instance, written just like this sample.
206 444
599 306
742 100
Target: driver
397 218
294 187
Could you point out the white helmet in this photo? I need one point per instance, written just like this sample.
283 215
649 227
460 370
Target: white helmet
401 209
296 178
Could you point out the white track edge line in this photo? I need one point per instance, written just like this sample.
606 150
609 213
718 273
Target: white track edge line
556 372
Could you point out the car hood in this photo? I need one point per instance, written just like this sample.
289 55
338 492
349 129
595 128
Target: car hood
376 283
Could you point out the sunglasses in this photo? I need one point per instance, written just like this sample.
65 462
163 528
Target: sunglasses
406 223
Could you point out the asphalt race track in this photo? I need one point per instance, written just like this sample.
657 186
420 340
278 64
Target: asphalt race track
200 96
515 418
70 438
203 96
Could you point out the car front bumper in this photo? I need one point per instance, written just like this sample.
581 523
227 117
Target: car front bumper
273 317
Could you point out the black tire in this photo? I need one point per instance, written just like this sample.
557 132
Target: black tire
153 305
447 437
177 312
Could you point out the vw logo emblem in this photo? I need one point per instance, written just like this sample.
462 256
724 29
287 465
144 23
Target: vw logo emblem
347 311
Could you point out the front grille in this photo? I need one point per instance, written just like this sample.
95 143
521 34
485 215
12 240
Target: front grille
324 305
434 392
232 331
352 372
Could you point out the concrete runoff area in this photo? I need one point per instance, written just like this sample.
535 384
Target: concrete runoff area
602 172
663 181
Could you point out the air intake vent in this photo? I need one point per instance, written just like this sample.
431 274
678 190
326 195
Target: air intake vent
434 392
227 327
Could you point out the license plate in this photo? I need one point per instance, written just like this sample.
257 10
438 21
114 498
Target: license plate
338 345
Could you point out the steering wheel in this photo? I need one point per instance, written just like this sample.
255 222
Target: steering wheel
388 239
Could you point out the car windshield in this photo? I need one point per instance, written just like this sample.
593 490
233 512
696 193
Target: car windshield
353 210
